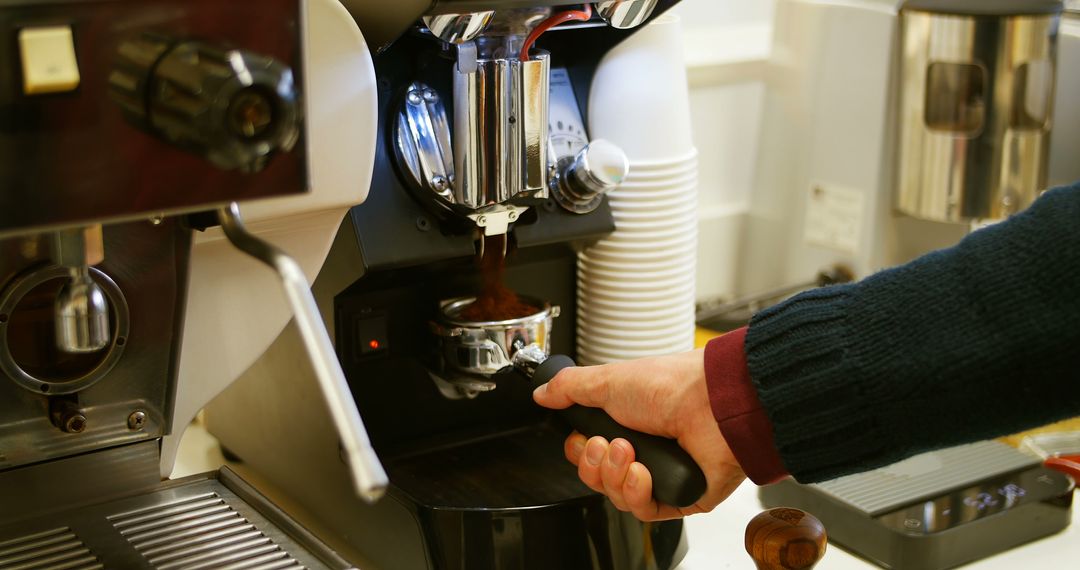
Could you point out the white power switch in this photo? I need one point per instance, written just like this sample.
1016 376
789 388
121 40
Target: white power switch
48 60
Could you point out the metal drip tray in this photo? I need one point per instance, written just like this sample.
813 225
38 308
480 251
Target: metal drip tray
214 520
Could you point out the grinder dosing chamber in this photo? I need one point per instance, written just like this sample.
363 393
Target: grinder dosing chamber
494 158
976 107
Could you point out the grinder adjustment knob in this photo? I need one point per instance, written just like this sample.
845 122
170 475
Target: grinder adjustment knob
599 168
785 539
235 107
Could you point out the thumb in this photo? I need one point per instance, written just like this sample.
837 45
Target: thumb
583 385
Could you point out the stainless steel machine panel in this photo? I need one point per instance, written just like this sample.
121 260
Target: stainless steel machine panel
123 393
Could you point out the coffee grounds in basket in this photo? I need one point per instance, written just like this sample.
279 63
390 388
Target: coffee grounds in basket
496 301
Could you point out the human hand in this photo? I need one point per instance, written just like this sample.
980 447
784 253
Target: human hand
664 396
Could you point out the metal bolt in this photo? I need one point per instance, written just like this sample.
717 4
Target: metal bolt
136 420
73 422
414 98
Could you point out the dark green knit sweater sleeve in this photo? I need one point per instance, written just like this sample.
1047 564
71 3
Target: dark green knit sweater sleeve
964 344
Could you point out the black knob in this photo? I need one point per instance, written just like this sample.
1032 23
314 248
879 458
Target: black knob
235 107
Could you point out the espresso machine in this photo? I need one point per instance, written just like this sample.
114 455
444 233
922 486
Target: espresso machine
485 177
130 126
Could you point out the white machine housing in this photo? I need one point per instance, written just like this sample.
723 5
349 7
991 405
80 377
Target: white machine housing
235 306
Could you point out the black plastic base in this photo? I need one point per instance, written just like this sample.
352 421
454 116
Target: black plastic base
506 501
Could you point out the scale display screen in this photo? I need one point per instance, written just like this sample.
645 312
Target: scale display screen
978 501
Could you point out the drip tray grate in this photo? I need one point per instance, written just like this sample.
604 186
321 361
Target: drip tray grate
206 522
197 533
56 549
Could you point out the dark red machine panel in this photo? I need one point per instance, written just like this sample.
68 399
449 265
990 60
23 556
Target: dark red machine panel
80 155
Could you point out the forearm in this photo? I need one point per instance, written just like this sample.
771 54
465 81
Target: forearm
964 344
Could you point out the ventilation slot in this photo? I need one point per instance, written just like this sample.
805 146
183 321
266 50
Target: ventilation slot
57 549
200 532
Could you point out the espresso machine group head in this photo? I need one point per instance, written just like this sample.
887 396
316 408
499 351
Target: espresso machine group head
129 125
484 151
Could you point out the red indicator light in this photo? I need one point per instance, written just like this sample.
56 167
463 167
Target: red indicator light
374 344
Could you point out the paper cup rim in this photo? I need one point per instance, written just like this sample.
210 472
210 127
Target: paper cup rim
689 241
692 154
660 182
610 346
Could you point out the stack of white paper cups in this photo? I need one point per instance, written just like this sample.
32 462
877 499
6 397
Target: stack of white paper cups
636 287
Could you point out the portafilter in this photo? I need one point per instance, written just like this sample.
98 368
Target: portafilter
475 351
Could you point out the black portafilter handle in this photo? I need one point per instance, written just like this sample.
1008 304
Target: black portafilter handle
677 478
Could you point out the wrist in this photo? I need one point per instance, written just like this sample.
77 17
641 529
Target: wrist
737 410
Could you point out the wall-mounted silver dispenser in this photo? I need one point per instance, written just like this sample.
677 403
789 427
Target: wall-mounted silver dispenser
976 106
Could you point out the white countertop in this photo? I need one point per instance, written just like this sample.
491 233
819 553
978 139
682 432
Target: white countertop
716 539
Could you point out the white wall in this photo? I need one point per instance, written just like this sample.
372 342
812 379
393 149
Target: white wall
727 45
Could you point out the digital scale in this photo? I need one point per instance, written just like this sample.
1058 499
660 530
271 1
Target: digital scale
937 510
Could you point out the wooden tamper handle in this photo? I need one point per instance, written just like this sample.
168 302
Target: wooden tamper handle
785 539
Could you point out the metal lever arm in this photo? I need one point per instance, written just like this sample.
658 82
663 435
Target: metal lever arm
369 478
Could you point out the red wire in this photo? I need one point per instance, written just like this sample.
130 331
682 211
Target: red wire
583 15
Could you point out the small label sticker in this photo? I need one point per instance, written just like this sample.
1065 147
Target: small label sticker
834 218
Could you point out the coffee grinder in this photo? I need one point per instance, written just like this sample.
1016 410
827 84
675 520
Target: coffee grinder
483 153
130 125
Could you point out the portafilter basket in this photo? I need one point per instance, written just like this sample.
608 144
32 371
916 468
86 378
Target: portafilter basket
484 348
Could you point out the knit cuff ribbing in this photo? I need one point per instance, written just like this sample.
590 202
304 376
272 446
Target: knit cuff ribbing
797 354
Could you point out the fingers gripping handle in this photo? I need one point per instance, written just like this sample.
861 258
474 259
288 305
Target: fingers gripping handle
677 479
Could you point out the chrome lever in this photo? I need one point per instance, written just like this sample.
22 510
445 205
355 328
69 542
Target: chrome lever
369 477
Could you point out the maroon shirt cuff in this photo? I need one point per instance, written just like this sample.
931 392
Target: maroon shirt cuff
737 410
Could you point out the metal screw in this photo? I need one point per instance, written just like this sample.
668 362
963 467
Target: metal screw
136 420
513 216
912 523
481 221
73 422
29 248
430 96
157 219
414 98
439 182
